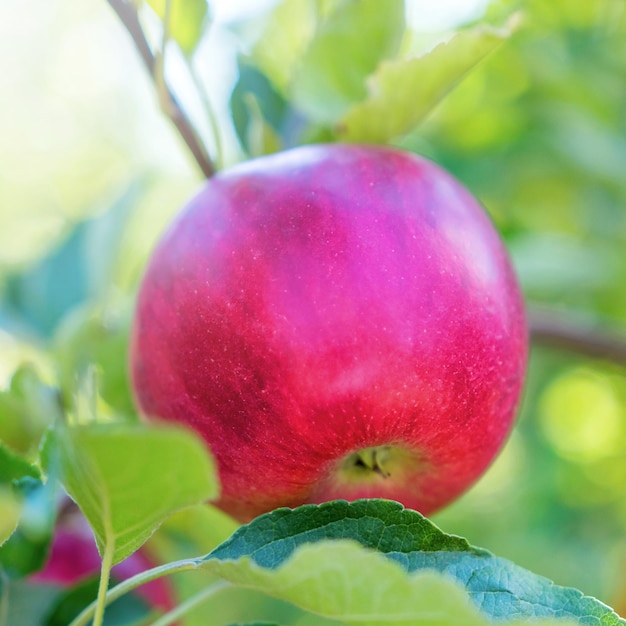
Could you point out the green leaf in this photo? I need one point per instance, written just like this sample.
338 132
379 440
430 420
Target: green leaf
284 40
97 336
258 112
341 580
9 513
374 562
257 624
27 514
187 21
402 92
348 45
26 550
14 467
27 408
79 269
379 524
261 138
128 478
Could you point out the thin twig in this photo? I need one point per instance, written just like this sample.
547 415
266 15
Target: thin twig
128 15
210 113
163 93
556 330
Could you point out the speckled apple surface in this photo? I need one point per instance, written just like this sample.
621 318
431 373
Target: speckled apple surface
329 299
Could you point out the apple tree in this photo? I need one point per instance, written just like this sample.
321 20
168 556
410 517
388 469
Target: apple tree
321 241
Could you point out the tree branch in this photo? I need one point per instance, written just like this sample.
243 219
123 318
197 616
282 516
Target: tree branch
555 330
128 16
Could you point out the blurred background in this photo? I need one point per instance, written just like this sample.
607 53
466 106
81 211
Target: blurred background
91 171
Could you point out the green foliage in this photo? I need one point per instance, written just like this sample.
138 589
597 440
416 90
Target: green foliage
342 581
47 605
373 93
288 554
129 610
27 408
26 549
259 112
331 73
79 269
187 20
258 624
103 468
402 92
13 469
260 137
286 35
536 133
10 507
27 507
377 524
534 126
96 336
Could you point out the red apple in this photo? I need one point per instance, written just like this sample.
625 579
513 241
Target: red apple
335 321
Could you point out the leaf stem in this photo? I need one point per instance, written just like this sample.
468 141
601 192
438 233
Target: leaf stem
132 583
128 15
210 112
191 603
105 573
163 93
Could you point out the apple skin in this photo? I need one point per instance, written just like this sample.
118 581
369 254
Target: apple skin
325 300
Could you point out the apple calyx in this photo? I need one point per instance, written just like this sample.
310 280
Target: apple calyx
376 462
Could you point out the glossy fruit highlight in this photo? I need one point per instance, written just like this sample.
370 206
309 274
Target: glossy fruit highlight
335 321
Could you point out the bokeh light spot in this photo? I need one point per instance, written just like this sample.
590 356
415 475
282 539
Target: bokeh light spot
581 416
